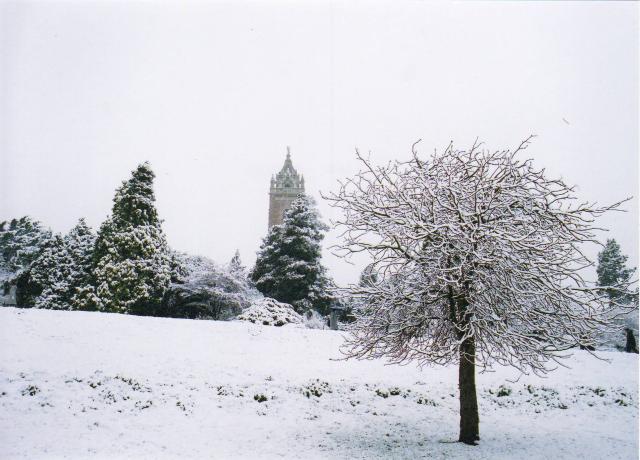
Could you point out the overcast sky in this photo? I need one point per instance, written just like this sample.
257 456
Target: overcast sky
212 93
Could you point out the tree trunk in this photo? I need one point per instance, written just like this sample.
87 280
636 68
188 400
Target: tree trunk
469 418
631 346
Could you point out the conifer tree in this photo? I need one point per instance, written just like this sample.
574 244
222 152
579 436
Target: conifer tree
179 271
131 261
614 278
288 266
21 241
613 272
264 273
62 266
235 266
80 243
52 272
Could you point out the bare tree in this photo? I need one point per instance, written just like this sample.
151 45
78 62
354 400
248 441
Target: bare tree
479 260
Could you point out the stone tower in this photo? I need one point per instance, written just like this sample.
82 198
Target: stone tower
285 187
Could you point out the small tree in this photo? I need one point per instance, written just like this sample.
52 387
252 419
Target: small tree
614 278
80 243
613 274
288 266
52 273
21 242
235 265
62 271
132 266
478 261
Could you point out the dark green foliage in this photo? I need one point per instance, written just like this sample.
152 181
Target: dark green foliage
288 266
21 241
134 203
179 272
263 273
52 272
615 279
631 345
80 243
61 267
26 289
260 397
185 301
613 274
131 262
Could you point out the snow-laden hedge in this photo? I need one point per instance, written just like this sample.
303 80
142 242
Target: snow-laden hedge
270 312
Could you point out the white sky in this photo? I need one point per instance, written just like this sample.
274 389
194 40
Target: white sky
211 94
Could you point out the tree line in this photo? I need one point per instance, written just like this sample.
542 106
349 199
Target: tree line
128 267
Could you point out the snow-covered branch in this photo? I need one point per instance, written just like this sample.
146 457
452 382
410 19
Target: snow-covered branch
471 244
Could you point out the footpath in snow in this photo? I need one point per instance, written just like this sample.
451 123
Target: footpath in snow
94 385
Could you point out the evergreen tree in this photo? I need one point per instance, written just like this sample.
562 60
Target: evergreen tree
80 243
264 273
288 266
613 273
614 278
131 262
21 241
52 272
61 268
179 271
235 266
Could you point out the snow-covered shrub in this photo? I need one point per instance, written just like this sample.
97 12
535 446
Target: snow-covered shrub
503 391
270 312
316 388
207 290
260 397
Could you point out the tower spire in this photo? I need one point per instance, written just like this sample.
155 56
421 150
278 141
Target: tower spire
286 186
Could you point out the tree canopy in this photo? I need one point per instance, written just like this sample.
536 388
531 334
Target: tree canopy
478 258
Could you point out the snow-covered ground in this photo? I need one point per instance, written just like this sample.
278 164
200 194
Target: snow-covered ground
78 385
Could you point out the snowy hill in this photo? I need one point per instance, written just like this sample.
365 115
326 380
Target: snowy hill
82 385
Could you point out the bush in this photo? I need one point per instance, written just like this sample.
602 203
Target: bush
503 391
316 388
270 312
206 291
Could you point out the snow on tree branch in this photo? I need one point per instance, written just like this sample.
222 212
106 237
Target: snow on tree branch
471 244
